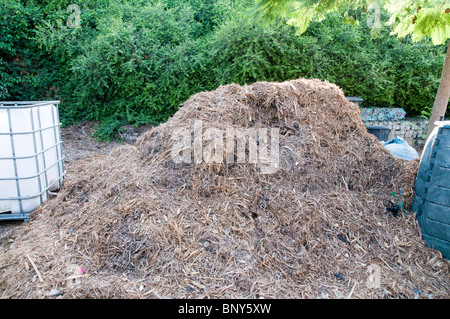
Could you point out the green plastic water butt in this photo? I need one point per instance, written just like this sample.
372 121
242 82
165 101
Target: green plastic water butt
432 187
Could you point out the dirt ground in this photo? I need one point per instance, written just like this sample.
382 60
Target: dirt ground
78 142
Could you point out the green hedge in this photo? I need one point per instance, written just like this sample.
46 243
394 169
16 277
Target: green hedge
384 71
135 61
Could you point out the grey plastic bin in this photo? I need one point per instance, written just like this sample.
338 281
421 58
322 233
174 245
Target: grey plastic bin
380 131
432 190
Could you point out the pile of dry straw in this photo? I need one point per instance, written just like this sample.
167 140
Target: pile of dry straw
135 224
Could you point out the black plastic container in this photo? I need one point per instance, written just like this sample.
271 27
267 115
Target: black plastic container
381 132
432 190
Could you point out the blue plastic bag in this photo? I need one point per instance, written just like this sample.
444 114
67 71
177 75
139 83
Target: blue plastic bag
400 148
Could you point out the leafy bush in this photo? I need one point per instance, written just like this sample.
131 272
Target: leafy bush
141 65
19 62
383 70
135 61
244 52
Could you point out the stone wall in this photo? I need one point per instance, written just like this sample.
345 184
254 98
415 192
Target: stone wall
412 130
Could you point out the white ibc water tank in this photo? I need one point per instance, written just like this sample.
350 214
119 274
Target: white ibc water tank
31 159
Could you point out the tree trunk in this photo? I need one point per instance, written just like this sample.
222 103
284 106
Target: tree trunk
443 94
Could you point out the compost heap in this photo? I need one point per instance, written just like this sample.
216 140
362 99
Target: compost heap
136 224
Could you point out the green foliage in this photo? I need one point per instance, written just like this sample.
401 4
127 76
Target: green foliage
417 18
397 206
421 18
109 130
136 61
244 52
18 62
385 71
143 62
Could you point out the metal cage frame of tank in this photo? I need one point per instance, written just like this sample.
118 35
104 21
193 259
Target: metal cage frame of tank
60 159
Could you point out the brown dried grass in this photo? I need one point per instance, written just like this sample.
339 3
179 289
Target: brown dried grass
144 227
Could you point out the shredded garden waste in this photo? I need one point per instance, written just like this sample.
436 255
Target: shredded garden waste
135 223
